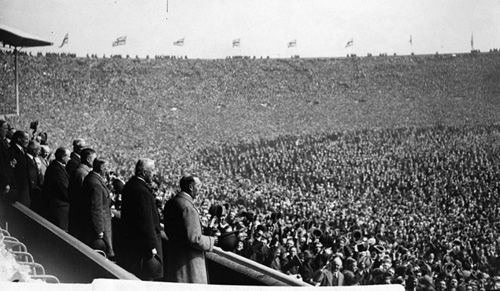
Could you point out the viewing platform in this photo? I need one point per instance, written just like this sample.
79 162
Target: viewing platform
71 261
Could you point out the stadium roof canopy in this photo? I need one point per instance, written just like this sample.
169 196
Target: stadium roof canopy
17 38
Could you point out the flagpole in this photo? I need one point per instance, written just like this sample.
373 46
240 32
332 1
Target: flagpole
472 41
411 43
16 52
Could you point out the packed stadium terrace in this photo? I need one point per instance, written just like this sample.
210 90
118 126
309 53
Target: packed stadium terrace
384 167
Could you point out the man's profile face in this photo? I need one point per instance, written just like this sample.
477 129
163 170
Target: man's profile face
66 157
24 140
195 187
104 168
149 172
91 159
3 130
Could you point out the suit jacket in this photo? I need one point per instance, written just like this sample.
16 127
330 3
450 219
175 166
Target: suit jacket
55 190
73 163
94 189
79 217
337 279
140 228
20 187
186 246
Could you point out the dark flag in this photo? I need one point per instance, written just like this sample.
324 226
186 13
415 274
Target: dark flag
179 42
349 43
122 40
65 40
292 43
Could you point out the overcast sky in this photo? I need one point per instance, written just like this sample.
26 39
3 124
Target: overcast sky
321 27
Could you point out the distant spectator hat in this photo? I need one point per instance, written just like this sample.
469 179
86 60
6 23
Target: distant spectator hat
228 240
261 227
215 210
275 216
361 247
326 240
357 235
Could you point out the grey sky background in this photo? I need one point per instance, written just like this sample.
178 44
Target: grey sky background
321 27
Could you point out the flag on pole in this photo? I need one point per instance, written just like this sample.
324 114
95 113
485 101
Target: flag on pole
472 41
179 42
349 43
411 40
236 42
65 40
292 43
122 40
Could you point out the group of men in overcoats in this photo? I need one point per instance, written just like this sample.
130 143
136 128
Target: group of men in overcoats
82 209
21 176
141 231
74 195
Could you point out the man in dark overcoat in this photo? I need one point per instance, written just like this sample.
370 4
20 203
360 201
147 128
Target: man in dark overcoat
20 188
140 231
75 156
5 167
79 215
55 189
96 190
186 245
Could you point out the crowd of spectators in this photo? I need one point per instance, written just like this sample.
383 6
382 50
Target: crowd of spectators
407 205
412 206
286 173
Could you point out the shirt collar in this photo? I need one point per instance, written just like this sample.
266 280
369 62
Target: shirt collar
186 195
